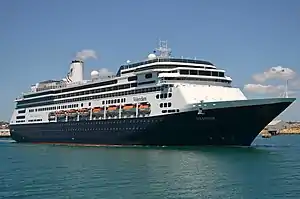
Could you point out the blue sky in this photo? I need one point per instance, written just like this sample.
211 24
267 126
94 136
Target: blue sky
40 38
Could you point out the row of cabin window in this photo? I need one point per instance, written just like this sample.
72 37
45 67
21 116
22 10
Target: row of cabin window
77 105
99 90
201 72
49 98
109 122
169 104
35 120
191 61
114 101
163 95
21 111
55 108
20 121
98 84
170 111
197 79
132 92
159 66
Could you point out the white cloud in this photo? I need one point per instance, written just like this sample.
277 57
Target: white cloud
87 53
264 89
277 72
104 72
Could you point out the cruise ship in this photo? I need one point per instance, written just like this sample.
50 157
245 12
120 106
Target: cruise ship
160 101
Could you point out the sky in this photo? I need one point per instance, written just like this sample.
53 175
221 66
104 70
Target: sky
257 42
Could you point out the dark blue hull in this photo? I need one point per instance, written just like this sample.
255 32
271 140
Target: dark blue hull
219 126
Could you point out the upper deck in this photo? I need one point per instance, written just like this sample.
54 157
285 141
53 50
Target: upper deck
163 61
205 64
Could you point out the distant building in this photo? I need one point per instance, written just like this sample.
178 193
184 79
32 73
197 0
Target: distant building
276 126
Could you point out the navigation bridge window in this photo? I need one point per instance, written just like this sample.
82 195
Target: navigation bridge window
197 79
203 73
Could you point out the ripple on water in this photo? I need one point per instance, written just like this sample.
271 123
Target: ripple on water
269 169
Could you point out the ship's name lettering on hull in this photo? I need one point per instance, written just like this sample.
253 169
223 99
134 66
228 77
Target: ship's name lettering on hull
138 99
205 118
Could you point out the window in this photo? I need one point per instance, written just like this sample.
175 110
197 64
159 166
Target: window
221 74
148 75
170 95
169 104
161 105
132 78
184 72
214 73
157 96
21 111
204 73
193 72
20 117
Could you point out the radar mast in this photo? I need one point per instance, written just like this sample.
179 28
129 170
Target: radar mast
163 49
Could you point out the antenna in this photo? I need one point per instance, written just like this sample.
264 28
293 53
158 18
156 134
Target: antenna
163 49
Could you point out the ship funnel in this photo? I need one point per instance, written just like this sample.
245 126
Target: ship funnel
75 73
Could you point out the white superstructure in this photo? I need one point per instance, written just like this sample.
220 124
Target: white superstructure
159 85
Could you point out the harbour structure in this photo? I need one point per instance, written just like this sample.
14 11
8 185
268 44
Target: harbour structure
158 101
275 126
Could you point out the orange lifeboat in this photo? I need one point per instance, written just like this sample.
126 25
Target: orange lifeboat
112 111
72 113
128 109
128 106
60 113
83 112
98 111
144 106
112 108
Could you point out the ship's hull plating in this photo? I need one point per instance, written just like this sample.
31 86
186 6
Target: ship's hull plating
216 125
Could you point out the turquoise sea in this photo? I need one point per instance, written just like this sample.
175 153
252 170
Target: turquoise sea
268 169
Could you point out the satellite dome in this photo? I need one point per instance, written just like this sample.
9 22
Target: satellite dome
151 56
94 73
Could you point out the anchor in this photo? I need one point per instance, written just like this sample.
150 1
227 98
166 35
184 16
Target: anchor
200 110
